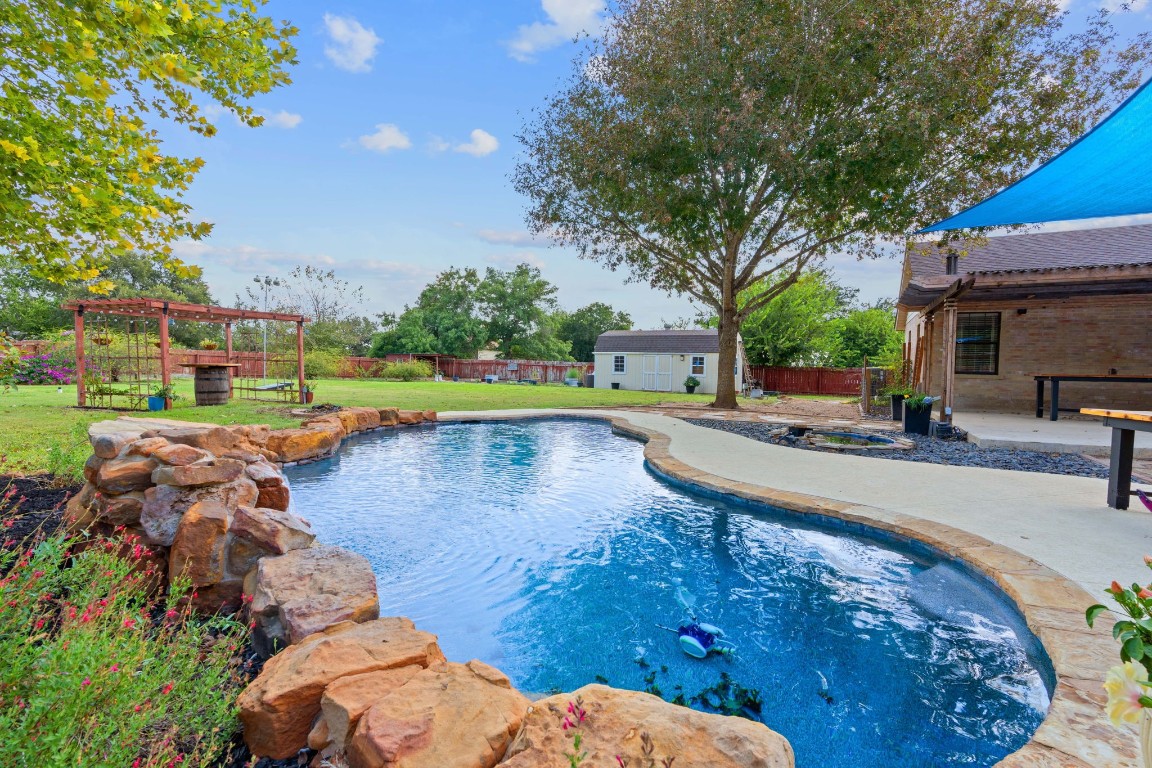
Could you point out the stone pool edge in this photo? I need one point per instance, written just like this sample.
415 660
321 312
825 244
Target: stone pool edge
1075 733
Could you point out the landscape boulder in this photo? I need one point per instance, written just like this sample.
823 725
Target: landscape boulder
123 509
127 474
617 721
199 548
179 455
389 417
165 505
317 439
280 706
299 593
210 471
274 531
214 439
446 716
358 418
411 417
346 699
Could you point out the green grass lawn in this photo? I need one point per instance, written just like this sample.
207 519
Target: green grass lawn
42 431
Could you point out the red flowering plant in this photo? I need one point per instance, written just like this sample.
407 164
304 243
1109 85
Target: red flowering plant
99 671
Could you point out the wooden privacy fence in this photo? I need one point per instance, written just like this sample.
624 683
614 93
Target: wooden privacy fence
806 381
543 371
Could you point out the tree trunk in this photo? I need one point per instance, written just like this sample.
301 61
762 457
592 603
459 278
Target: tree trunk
726 372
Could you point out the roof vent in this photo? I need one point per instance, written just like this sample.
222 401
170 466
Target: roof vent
950 264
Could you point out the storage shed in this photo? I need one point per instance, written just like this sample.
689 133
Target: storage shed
660 361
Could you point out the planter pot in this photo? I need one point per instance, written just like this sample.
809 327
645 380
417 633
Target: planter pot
615 385
308 396
755 393
156 403
897 407
572 382
209 347
690 390
917 422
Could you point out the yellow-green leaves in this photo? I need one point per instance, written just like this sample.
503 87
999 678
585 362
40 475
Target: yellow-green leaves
82 177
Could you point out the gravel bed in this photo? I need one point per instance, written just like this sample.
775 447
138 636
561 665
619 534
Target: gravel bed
935 451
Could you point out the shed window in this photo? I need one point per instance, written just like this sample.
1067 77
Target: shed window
978 342
697 365
618 364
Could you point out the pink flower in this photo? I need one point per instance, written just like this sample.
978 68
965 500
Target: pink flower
115 668
129 623
86 683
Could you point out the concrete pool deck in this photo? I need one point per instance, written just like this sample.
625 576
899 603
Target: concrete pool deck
1049 541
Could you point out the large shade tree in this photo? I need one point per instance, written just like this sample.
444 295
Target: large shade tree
85 83
708 147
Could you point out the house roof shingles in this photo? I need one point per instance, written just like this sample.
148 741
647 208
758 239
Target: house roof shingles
1077 249
655 342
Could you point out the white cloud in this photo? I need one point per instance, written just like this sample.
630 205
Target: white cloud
352 46
283 119
387 138
437 144
517 238
1124 6
482 143
515 259
566 20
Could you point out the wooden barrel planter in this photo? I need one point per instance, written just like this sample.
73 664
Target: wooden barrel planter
213 384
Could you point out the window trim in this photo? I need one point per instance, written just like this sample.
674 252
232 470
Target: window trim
692 365
996 345
623 364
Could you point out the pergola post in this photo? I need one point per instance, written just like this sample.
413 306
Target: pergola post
165 363
228 356
79 331
300 358
949 341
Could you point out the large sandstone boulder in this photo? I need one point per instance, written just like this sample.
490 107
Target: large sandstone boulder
319 439
274 531
617 722
389 417
124 475
210 471
123 509
345 700
214 439
411 417
200 544
447 716
279 707
358 418
304 591
165 505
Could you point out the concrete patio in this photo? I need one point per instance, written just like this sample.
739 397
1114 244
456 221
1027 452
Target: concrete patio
1073 433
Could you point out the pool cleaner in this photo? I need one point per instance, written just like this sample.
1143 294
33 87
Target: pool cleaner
698 639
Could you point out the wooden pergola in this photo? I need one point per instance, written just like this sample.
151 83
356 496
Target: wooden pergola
162 311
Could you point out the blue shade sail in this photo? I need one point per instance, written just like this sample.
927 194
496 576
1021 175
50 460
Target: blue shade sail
1106 172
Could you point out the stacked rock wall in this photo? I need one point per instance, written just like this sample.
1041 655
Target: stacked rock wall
359 690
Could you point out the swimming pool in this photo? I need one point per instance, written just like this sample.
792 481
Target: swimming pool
547 549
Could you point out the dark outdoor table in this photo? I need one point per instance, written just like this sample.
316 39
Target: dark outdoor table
1056 378
1124 425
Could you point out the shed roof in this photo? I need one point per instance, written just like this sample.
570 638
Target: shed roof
653 342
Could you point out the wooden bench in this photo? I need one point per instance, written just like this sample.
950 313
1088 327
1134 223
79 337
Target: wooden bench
1124 426
1056 378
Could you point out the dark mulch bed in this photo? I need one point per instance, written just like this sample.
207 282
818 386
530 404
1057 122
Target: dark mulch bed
935 451
30 504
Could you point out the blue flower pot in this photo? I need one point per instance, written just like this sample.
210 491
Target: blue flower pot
156 403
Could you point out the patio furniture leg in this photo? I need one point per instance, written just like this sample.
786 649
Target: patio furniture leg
1055 399
1040 398
1120 468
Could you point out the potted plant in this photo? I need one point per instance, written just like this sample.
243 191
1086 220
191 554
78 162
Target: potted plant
102 340
309 391
690 384
572 378
918 413
1127 683
208 344
898 395
162 397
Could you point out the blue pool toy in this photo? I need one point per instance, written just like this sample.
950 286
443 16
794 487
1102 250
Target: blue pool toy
698 640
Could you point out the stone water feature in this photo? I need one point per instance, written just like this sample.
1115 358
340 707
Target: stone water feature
211 504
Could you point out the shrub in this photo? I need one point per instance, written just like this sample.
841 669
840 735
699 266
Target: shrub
43 369
319 364
409 370
98 672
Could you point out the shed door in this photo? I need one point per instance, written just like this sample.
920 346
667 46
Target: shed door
657 373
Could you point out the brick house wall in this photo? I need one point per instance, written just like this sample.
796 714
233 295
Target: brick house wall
1078 335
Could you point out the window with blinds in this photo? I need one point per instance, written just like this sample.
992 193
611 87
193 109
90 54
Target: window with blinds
978 342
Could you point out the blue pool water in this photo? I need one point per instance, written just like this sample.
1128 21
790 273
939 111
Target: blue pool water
548 550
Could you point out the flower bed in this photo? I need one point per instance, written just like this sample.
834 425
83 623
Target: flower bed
43 369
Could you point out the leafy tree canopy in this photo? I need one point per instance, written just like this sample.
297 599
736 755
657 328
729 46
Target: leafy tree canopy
582 327
709 146
82 175
517 305
794 328
865 333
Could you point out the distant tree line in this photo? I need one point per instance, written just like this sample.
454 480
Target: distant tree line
513 312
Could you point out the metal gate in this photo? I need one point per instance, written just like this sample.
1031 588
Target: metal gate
657 373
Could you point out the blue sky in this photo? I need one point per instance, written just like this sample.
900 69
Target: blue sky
387 159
